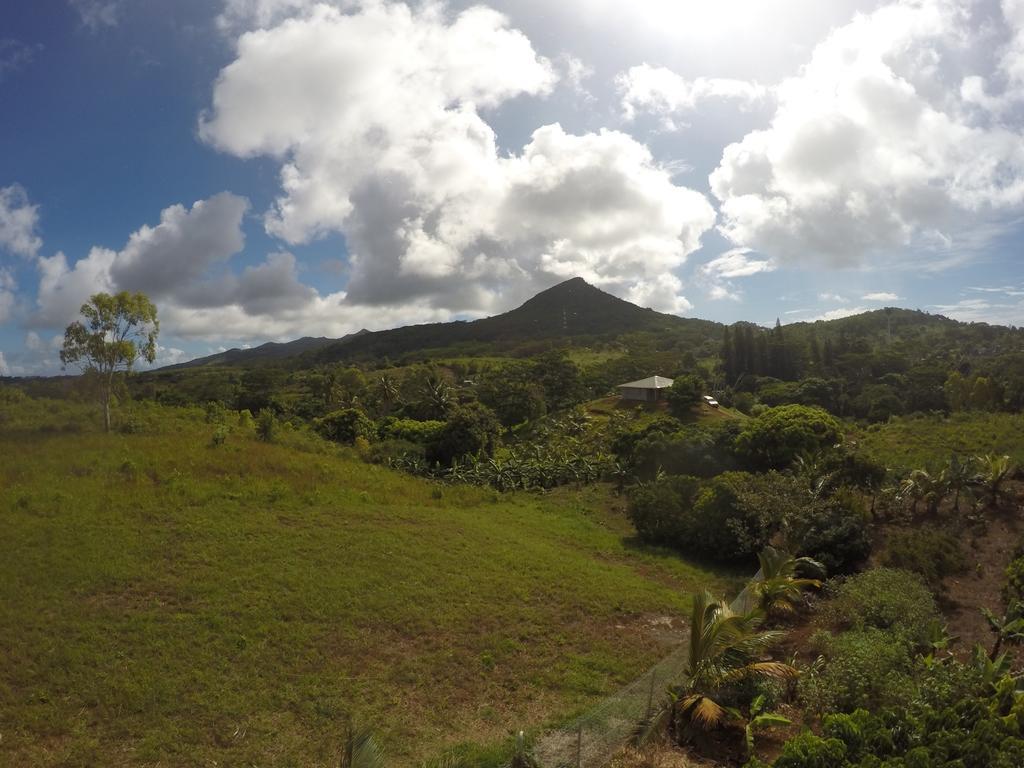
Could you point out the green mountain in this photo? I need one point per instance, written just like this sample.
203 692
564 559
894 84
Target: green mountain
572 310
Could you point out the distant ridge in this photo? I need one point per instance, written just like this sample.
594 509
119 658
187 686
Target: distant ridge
571 309
264 353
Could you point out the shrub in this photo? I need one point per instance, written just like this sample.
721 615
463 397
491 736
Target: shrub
266 425
929 552
219 436
833 531
245 419
659 510
691 451
886 599
410 430
729 516
864 668
684 393
1013 591
389 451
737 513
471 429
773 439
344 426
809 751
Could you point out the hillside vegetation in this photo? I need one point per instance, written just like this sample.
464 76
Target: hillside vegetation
165 600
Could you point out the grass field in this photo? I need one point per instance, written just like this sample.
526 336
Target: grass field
166 602
929 441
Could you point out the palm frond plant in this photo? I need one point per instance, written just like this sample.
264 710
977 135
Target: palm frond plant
726 649
780 589
361 750
994 471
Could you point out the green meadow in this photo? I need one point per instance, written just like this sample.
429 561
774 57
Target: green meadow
167 601
928 441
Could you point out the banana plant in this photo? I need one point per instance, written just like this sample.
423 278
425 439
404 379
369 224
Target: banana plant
759 720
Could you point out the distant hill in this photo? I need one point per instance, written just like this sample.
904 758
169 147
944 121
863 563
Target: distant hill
573 309
272 351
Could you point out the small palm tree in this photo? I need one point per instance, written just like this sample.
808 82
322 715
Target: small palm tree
957 476
920 486
780 589
361 750
725 649
995 470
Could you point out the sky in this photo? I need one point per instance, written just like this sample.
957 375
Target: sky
271 169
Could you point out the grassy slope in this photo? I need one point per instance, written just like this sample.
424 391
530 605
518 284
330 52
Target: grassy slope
163 602
929 441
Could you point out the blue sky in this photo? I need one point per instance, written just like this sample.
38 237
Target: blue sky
268 169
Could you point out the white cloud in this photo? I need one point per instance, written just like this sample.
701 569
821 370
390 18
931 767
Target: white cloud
881 296
827 296
736 263
4 369
97 14
662 92
872 147
18 221
984 311
393 152
166 260
836 314
8 297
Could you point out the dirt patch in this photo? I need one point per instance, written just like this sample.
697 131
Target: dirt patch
988 553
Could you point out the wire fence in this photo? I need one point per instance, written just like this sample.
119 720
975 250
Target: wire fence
591 740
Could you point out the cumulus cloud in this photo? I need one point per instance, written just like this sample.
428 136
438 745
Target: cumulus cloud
392 150
662 92
4 369
18 222
828 296
881 296
166 259
8 286
734 263
872 146
170 262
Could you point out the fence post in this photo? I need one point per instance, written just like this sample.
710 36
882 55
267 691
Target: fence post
650 698
579 746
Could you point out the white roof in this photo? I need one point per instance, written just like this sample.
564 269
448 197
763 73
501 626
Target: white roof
653 382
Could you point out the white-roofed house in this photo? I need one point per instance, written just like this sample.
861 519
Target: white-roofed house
649 390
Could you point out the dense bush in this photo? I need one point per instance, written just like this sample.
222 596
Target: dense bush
692 450
932 553
832 530
658 510
951 717
883 598
391 451
409 430
266 425
471 430
733 515
863 668
773 439
344 426
684 393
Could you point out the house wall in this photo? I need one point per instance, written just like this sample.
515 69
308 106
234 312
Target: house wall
641 395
